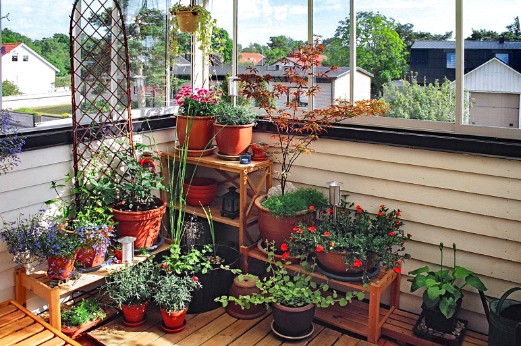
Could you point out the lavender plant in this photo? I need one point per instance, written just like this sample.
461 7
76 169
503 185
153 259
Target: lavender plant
11 143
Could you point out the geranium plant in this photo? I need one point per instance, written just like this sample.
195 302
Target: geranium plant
358 235
197 102
289 289
174 293
11 143
296 127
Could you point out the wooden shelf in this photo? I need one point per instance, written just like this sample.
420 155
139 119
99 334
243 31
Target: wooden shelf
368 322
40 284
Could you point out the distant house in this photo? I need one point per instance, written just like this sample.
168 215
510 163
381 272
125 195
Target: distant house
437 59
255 59
27 69
495 95
290 61
332 88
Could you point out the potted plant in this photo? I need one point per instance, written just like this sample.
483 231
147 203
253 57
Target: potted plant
11 143
173 294
193 19
259 151
137 212
296 128
234 128
293 298
443 292
245 284
60 247
196 117
96 243
22 237
280 214
349 243
130 289
81 316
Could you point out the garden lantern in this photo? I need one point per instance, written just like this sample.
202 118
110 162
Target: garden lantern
334 196
230 203
127 252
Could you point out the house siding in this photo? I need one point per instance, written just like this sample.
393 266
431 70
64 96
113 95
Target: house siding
473 201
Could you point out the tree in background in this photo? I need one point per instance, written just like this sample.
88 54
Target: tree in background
380 50
513 33
9 88
409 36
223 45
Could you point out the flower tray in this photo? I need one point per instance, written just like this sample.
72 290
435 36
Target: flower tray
450 339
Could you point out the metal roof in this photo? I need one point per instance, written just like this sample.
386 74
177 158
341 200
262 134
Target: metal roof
468 45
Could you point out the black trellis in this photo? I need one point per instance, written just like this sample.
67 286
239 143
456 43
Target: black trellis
100 73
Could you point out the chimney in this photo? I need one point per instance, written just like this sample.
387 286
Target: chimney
501 39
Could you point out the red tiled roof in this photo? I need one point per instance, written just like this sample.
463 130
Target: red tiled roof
7 47
253 58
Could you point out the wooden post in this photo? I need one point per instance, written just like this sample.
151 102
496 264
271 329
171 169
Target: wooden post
20 290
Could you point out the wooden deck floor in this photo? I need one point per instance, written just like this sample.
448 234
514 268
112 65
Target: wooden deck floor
215 328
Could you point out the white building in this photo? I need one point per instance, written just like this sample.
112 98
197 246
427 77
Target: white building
31 73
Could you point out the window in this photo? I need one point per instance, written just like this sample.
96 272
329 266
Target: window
14 57
503 57
25 58
451 60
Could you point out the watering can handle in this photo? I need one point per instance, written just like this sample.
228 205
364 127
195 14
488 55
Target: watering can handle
485 304
504 297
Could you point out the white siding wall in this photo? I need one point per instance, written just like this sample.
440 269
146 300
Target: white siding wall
473 201
363 87
24 190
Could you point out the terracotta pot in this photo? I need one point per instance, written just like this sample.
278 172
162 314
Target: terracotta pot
92 256
119 254
60 268
144 225
174 320
73 332
243 287
134 314
293 322
278 229
200 131
233 139
187 21
200 190
333 262
259 151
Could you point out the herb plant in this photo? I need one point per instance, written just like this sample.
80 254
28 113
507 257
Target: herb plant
174 293
228 114
443 289
83 312
295 202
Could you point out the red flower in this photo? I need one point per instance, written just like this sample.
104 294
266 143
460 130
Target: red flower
397 269
285 255
327 234
396 222
331 243
300 230
311 207
331 211
409 235
295 228
284 247
164 265
320 248
195 278
357 263
391 234
380 213
312 229
398 214
359 209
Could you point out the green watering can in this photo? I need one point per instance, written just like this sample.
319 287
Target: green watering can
504 319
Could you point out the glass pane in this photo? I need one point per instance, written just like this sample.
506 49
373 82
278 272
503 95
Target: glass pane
493 63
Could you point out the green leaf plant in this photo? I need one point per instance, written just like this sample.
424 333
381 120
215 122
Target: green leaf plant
443 288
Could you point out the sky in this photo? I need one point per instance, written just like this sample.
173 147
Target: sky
261 19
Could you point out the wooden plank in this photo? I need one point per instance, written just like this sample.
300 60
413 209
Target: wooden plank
346 340
21 323
254 335
234 331
53 342
37 339
7 309
11 318
21 334
209 330
326 337
317 328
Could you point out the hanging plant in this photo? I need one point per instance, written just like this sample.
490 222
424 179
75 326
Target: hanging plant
202 29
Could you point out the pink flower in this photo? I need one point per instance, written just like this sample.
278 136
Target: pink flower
164 265
195 278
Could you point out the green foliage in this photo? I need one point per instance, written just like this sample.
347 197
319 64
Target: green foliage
174 293
83 312
223 45
132 285
228 114
444 289
295 202
196 260
292 290
363 238
205 26
435 102
9 88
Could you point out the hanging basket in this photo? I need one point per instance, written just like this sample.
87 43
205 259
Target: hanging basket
187 21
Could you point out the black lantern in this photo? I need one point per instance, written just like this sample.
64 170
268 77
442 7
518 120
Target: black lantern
230 206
